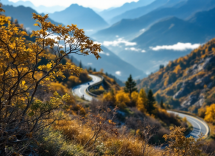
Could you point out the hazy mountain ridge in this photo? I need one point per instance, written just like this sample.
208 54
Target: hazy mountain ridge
139 11
130 28
112 12
40 9
24 16
85 18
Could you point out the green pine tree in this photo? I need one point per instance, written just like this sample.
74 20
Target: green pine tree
162 104
90 69
130 86
80 65
151 102
94 69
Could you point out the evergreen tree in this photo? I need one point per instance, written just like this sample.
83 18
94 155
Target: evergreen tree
162 104
90 69
94 69
80 65
130 86
151 102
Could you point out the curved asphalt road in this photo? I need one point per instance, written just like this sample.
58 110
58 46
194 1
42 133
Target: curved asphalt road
199 126
80 90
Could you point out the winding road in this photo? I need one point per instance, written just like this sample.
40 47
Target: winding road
80 90
199 126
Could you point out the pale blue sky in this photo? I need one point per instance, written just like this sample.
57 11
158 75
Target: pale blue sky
100 4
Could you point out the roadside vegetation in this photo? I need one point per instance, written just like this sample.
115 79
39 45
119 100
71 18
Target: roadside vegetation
40 116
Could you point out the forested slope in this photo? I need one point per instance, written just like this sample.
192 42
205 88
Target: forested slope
187 82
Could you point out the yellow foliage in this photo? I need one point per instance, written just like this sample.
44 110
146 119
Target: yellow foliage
142 101
210 113
184 119
122 99
101 88
109 96
60 88
23 72
177 69
134 96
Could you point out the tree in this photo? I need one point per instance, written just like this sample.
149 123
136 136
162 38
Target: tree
161 66
179 145
142 102
22 73
162 104
130 86
90 69
210 113
151 102
94 69
80 65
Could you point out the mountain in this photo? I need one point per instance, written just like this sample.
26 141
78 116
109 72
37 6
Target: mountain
23 15
85 18
131 28
110 13
169 32
111 64
140 11
40 9
188 82
204 19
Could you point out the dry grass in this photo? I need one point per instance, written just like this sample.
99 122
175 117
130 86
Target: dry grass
107 143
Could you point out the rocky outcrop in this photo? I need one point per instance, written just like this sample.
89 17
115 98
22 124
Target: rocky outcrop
185 88
200 101
189 101
203 81
201 65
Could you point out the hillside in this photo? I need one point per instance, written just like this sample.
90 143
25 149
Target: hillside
23 15
186 83
131 28
85 18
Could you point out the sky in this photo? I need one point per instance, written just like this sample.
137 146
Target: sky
99 4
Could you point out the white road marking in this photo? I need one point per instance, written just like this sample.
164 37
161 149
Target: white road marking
80 91
198 126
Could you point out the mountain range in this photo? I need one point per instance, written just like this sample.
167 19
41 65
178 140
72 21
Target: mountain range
112 12
24 16
198 29
40 9
131 28
85 18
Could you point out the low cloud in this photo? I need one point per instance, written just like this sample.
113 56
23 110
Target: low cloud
90 30
118 42
177 47
104 53
118 73
142 30
135 49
